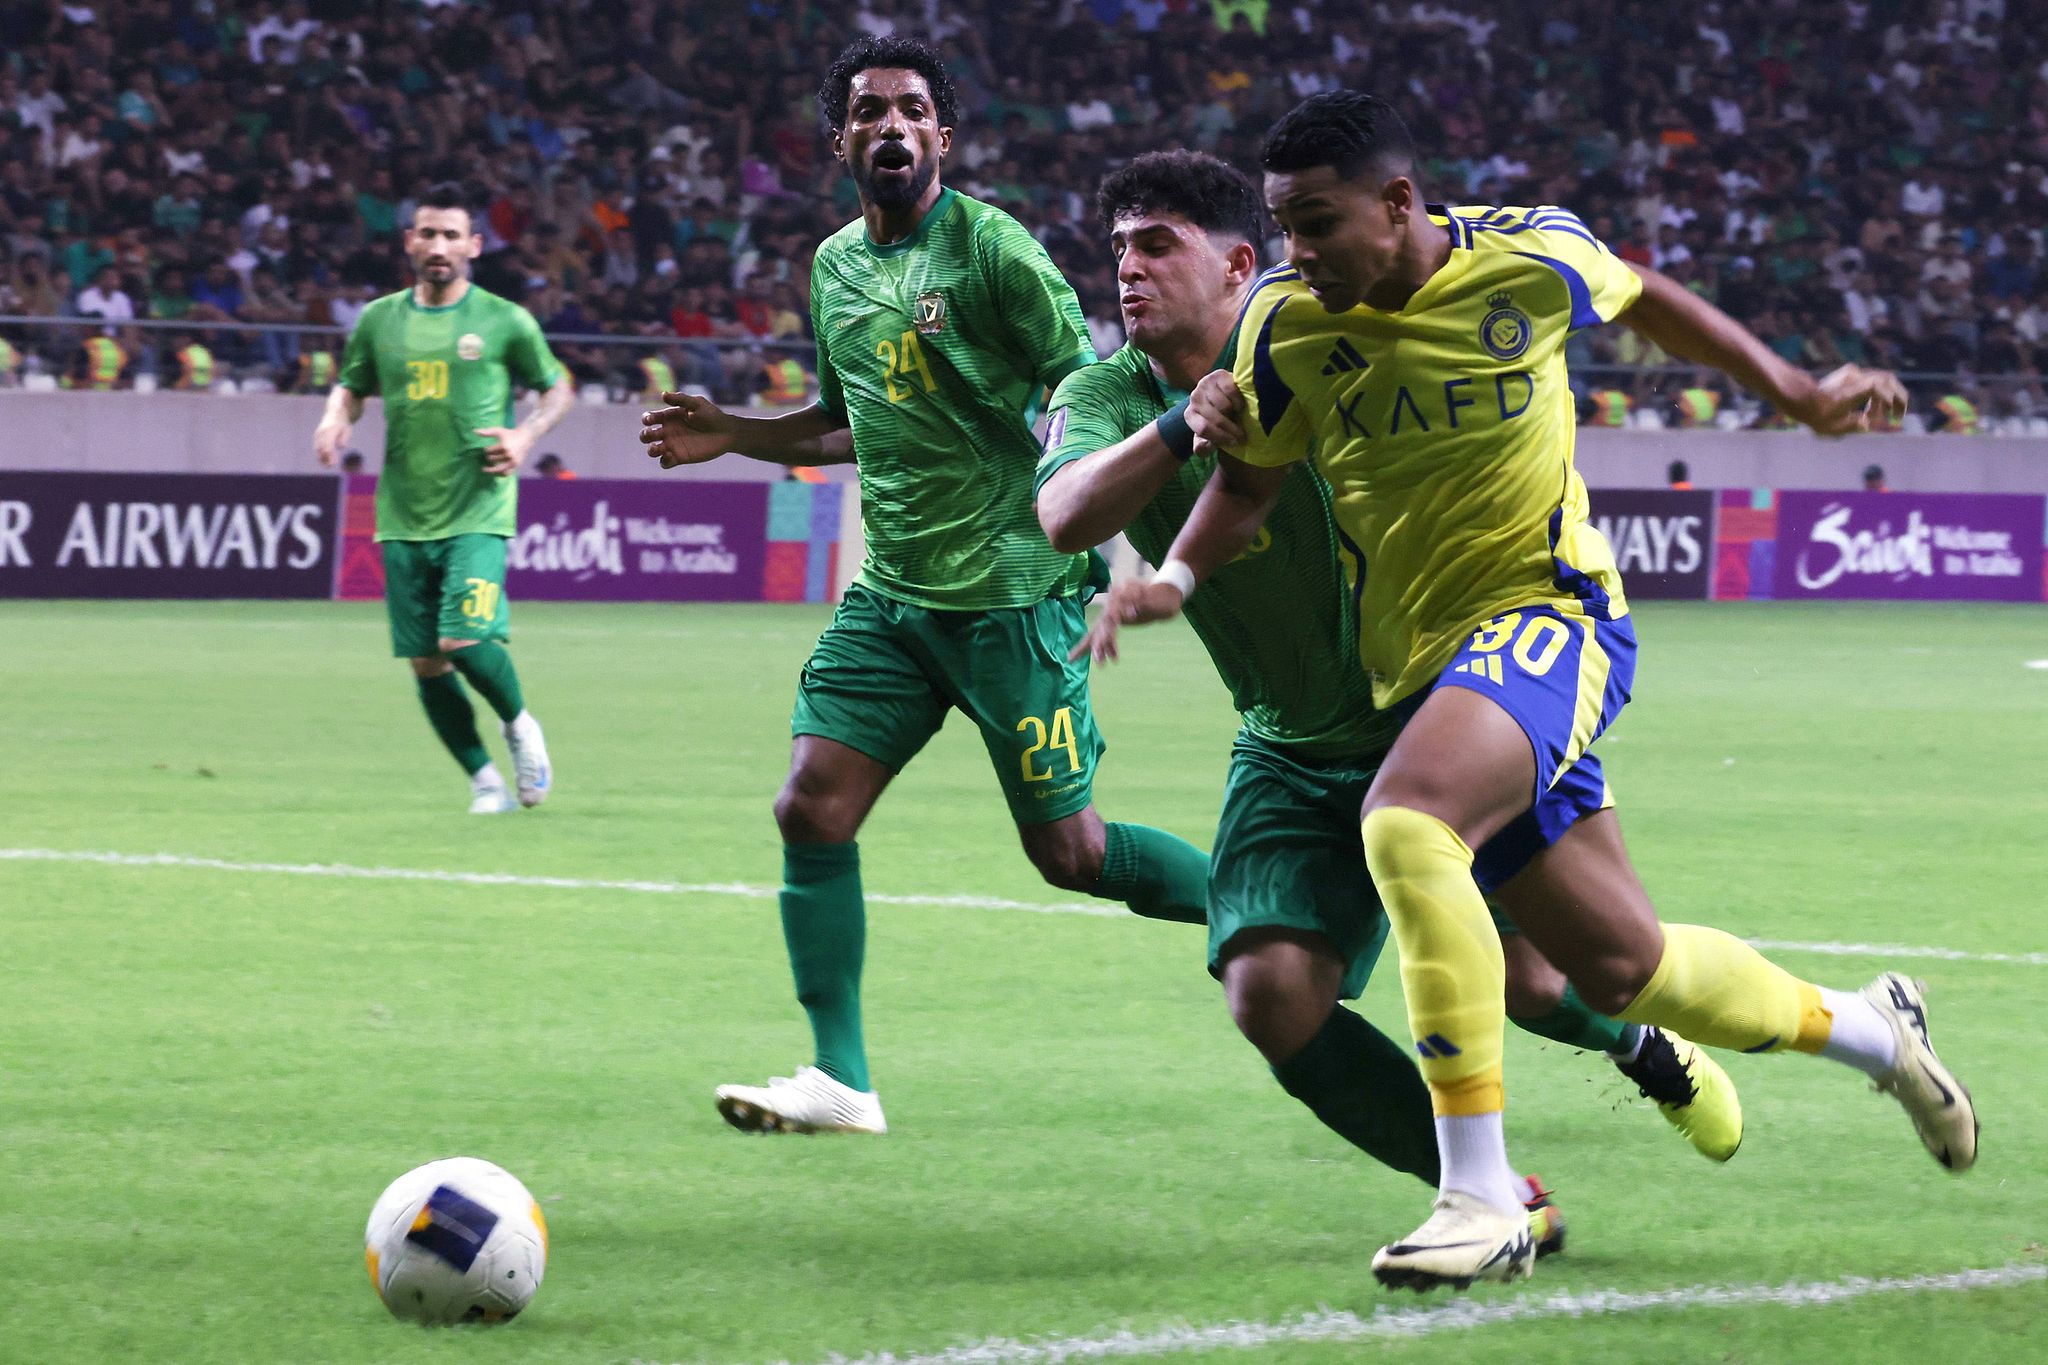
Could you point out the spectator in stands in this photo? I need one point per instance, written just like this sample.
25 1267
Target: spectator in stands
1873 479
1699 402
1678 475
217 297
101 363
195 363
178 210
1871 174
783 383
105 298
550 466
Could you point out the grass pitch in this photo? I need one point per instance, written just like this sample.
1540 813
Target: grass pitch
206 1075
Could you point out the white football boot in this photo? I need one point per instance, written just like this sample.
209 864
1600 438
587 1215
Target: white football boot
1465 1239
808 1102
1932 1096
487 793
529 758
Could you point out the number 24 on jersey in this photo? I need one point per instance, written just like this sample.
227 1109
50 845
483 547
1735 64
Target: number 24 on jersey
901 359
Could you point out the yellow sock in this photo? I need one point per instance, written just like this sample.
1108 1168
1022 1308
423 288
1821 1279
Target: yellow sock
1451 965
1717 990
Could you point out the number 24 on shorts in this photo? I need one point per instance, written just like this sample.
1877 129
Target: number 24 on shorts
1059 735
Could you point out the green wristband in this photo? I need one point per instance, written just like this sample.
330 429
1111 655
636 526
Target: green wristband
1175 431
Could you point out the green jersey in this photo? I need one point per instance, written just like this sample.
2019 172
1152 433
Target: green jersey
1281 621
935 350
442 373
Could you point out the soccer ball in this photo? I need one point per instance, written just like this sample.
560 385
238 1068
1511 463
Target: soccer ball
458 1240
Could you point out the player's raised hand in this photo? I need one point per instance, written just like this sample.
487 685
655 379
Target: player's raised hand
1216 411
690 430
1849 399
507 450
329 439
1130 603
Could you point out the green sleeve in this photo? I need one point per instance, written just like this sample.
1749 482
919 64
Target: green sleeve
1087 414
359 358
831 396
1034 300
527 357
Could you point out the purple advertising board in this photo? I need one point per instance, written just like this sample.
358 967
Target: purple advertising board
639 540
168 535
1663 539
1934 547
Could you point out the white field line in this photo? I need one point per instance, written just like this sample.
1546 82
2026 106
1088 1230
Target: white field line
1409 1324
427 874
744 890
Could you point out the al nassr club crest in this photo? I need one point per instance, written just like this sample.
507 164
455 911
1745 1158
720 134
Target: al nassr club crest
1506 331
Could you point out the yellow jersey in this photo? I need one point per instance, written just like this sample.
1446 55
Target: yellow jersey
1445 432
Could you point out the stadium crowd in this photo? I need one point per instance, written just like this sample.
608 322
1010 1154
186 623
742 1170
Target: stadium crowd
1857 180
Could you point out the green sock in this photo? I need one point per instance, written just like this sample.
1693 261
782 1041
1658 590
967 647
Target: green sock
1364 1088
824 922
1157 875
454 720
488 666
1572 1022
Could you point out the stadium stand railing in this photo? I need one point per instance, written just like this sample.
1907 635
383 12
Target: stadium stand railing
150 354
56 353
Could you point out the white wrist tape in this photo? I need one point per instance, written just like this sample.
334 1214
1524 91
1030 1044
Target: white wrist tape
1179 575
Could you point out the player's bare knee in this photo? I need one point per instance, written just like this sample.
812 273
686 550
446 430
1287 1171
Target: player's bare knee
1275 993
1609 982
808 811
1532 998
432 666
1070 866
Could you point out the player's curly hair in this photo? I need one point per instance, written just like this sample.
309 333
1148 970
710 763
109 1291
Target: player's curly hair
1207 191
1344 130
869 54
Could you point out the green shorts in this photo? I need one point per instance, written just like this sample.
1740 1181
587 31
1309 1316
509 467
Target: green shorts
884 674
451 589
1288 854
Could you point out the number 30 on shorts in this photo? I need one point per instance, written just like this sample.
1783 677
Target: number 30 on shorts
1058 735
481 602
1537 644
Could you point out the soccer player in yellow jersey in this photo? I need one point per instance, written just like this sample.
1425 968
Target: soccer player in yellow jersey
1417 353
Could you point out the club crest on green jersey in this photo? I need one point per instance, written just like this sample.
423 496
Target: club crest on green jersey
470 346
1506 331
928 314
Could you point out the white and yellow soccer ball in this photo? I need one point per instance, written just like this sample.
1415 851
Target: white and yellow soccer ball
458 1240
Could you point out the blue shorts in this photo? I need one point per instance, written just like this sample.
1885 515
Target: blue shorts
1564 675
1577 793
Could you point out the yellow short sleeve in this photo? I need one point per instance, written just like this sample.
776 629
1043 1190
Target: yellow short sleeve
1601 284
1277 425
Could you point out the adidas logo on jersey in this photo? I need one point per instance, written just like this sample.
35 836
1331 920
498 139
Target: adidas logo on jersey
1486 666
1344 358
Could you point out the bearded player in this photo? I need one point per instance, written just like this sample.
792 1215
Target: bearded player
446 358
940 324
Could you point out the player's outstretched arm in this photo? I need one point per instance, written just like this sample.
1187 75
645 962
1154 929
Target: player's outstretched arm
1693 329
1233 506
692 430
330 438
1090 499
